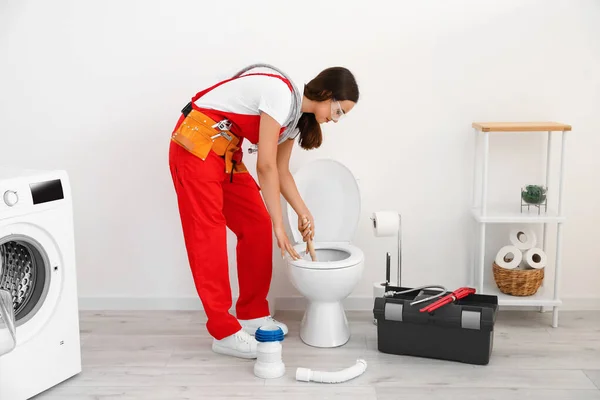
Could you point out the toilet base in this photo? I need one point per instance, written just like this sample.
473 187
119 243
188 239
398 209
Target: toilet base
325 325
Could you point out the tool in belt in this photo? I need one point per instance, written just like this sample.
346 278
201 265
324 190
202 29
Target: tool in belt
199 134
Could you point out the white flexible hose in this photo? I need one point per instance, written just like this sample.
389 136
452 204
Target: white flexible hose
306 375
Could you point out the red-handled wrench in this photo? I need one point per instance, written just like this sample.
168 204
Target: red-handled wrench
457 294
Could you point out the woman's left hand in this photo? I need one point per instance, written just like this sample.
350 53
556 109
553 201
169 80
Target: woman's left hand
306 226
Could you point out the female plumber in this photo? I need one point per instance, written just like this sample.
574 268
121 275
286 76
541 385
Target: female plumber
214 190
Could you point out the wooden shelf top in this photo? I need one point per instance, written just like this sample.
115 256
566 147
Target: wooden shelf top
520 126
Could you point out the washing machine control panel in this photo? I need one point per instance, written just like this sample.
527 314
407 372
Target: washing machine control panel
20 194
11 198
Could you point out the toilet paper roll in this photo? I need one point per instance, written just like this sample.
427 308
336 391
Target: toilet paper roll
509 257
535 258
378 289
523 238
385 223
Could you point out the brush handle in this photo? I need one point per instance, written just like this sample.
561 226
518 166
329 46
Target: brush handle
311 249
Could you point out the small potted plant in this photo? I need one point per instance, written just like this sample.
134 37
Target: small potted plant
535 195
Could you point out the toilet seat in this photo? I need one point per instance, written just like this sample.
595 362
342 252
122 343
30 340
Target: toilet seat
331 193
355 256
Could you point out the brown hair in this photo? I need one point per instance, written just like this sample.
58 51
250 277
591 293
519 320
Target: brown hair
334 82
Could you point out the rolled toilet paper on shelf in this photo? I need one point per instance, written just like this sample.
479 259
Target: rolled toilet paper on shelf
523 238
535 258
509 257
386 223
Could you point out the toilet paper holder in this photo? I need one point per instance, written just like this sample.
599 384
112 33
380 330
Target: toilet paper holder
399 267
391 293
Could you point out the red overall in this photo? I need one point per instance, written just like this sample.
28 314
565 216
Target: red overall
209 200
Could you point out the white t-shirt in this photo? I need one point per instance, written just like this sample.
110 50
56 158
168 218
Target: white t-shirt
250 95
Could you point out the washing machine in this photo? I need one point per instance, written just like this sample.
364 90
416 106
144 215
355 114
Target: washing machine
39 321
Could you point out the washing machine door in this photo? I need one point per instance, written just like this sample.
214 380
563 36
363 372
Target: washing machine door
31 274
8 334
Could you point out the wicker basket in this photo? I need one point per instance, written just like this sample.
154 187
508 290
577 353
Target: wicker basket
518 282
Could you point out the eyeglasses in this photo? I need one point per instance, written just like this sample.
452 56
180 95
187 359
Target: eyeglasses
336 110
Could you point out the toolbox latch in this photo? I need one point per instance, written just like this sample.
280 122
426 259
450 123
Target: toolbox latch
393 311
470 319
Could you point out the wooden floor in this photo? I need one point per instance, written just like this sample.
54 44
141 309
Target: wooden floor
167 356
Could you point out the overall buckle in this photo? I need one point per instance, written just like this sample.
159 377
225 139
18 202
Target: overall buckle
187 109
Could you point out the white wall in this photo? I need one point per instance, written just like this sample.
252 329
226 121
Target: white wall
96 87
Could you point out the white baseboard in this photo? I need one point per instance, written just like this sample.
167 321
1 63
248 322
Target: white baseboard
581 304
355 303
139 303
149 304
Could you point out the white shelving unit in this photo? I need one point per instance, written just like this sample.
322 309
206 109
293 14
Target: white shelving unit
485 212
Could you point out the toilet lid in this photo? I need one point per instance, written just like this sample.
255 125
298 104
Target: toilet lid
331 193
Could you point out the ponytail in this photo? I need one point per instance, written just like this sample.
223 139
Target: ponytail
311 136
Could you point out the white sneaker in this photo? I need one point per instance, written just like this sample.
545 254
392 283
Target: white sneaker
251 325
240 344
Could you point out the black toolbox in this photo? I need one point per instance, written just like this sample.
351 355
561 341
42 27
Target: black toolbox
461 331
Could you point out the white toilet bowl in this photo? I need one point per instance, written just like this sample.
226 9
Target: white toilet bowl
331 193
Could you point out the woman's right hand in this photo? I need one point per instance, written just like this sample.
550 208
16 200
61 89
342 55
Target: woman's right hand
284 244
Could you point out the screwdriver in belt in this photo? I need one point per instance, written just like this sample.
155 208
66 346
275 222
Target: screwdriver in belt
457 294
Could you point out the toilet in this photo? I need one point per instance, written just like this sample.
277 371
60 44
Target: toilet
331 193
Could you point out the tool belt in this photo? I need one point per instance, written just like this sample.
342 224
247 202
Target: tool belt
200 135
